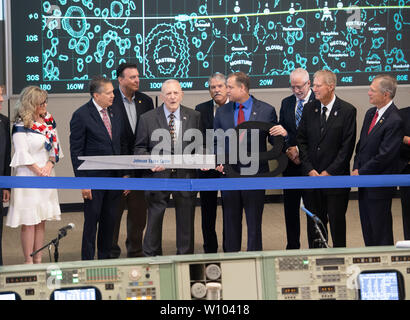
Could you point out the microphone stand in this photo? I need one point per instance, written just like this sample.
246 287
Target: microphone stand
322 240
61 234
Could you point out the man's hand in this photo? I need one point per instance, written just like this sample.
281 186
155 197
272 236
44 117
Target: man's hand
313 173
278 130
6 195
158 169
324 173
355 172
220 168
87 194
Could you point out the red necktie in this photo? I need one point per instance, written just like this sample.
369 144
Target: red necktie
241 115
106 121
376 115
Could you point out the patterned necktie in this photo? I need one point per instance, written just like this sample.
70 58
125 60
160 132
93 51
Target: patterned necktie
171 125
241 115
323 120
376 115
106 121
299 110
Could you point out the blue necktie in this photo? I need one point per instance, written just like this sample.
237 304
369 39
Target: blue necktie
299 110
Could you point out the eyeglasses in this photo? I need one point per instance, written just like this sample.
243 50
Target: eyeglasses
299 87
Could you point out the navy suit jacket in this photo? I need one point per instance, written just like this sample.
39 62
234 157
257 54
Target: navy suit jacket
261 111
143 103
89 137
405 148
5 146
378 151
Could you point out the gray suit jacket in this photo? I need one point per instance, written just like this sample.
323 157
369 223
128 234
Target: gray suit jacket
155 119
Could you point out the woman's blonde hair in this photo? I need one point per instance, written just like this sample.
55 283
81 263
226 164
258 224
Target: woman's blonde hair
30 98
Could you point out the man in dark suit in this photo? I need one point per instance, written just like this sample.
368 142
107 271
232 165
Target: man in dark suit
169 121
243 107
5 149
290 114
95 130
326 138
130 104
219 95
378 152
405 169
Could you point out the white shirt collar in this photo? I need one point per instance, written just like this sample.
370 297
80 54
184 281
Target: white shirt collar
99 108
329 106
382 110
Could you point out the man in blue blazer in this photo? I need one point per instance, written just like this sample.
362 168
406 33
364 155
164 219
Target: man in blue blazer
95 130
243 107
378 152
129 103
290 115
219 95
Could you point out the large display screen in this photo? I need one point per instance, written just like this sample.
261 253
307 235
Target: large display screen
61 44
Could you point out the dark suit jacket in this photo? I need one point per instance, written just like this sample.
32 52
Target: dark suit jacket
405 149
261 111
206 110
287 118
89 137
332 150
155 119
5 146
378 152
143 103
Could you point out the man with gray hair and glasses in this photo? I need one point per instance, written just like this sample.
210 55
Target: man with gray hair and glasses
219 95
378 152
290 115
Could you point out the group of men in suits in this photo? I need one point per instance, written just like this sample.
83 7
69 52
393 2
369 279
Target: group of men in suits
320 133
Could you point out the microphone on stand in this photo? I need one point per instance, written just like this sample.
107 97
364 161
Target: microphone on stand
62 232
322 240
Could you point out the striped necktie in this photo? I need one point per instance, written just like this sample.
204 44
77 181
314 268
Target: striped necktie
106 121
299 110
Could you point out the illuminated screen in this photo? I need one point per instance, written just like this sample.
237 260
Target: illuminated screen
63 43
75 294
380 286
8 296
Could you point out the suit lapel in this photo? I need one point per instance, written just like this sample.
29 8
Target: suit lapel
255 110
379 124
211 113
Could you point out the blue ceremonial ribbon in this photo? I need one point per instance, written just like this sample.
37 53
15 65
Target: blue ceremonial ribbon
205 184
